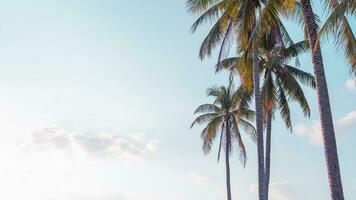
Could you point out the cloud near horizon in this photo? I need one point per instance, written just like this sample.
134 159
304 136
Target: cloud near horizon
102 145
50 162
197 178
312 131
277 190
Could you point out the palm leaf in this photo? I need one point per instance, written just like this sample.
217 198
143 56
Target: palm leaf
284 108
293 89
249 128
210 15
296 49
215 36
220 141
241 147
209 133
200 6
304 77
207 108
338 26
204 119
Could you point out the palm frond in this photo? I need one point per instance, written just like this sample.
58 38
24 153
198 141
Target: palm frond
347 42
284 108
338 26
215 36
204 118
304 77
226 43
207 108
246 22
241 99
240 145
209 133
199 6
249 129
221 140
296 14
214 91
291 86
210 15
268 92
296 49
227 64
268 17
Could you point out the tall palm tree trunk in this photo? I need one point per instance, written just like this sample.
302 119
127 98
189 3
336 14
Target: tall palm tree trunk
268 150
227 161
327 127
259 126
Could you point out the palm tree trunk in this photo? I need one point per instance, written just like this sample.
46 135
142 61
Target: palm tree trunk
268 151
259 126
227 161
327 127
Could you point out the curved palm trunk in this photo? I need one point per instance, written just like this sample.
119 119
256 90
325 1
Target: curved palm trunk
259 126
327 127
227 162
268 151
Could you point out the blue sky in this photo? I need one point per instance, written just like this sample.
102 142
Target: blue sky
96 99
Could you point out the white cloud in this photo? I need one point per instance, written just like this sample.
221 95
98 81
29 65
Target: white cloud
49 162
277 190
253 188
351 84
348 121
107 145
312 131
138 137
197 177
151 146
104 145
48 136
281 191
44 161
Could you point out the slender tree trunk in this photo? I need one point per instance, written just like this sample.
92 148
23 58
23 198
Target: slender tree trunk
268 151
227 162
327 127
259 126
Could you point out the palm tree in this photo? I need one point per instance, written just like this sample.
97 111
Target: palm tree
234 20
280 83
268 17
326 119
338 26
224 116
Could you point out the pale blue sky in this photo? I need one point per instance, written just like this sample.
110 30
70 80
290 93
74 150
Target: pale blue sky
109 87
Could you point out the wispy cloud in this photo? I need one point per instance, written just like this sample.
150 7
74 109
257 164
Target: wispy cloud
151 146
50 162
277 190
197 177
351 84
138 137
102 145
312 131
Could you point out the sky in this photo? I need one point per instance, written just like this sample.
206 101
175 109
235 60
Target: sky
96 99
